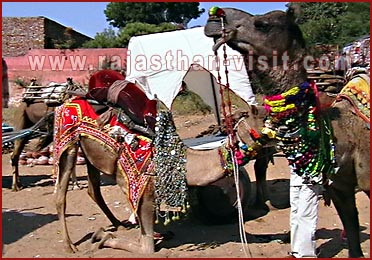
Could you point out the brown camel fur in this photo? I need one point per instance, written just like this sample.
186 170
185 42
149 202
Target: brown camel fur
26 116
259 36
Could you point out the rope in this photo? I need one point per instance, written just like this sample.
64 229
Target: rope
243 237
228 119
231 139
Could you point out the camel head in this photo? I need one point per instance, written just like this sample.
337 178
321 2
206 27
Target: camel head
273 38
260 34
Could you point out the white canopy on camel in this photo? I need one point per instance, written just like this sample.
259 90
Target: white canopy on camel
159 62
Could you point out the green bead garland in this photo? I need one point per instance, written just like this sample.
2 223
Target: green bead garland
300 132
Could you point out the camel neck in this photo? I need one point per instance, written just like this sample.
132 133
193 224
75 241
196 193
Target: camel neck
277 78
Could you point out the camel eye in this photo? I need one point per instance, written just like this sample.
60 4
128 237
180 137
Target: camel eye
262 26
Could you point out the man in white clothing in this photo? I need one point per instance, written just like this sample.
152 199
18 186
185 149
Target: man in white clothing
304 200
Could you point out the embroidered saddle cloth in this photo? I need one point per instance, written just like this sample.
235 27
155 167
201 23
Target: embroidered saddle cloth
357 92
77 118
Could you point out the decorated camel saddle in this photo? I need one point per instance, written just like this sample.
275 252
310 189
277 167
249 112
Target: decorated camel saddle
357 92
110 87
138 154
78 118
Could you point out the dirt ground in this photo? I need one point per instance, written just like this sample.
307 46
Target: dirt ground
30 228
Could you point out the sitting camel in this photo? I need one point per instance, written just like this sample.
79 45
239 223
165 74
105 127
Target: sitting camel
139 164
275 54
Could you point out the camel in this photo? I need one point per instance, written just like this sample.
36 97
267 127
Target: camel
104 152
264 40
27 115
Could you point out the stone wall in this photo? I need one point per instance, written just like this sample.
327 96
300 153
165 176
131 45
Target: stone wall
21 34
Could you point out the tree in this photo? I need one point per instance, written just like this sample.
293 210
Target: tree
134 29
119 14
105 39
333 22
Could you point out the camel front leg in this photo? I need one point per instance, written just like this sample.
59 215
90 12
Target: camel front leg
260 169
344 202
146 219
146 244
66 166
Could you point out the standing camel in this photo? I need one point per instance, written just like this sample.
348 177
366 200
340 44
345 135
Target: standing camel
26 116
276 58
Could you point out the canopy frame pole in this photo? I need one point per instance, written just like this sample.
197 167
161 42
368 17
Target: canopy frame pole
215 100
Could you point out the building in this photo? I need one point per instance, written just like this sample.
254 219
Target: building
22 34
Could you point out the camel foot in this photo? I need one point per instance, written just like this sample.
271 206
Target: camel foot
99 238
126 224
106 237
17 187
98 235
70 248
269 205
163 236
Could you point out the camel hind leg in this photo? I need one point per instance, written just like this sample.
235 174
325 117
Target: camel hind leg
94 191
66 166
21 122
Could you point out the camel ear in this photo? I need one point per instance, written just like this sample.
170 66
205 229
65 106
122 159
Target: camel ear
293 11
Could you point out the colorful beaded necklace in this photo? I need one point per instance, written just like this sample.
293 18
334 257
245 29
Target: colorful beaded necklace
170 170
302 133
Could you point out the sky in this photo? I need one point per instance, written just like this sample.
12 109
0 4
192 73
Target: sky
88 17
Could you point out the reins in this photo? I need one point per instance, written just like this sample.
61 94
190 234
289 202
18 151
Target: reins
232 144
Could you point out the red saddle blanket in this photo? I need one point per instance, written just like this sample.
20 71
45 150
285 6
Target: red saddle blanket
77 118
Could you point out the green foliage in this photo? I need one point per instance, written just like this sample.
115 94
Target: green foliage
66 41
135 29
188 102
355 23
105 39
119 14
22 82
138 18
333 22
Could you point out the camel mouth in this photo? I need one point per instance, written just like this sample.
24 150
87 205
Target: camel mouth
218 43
